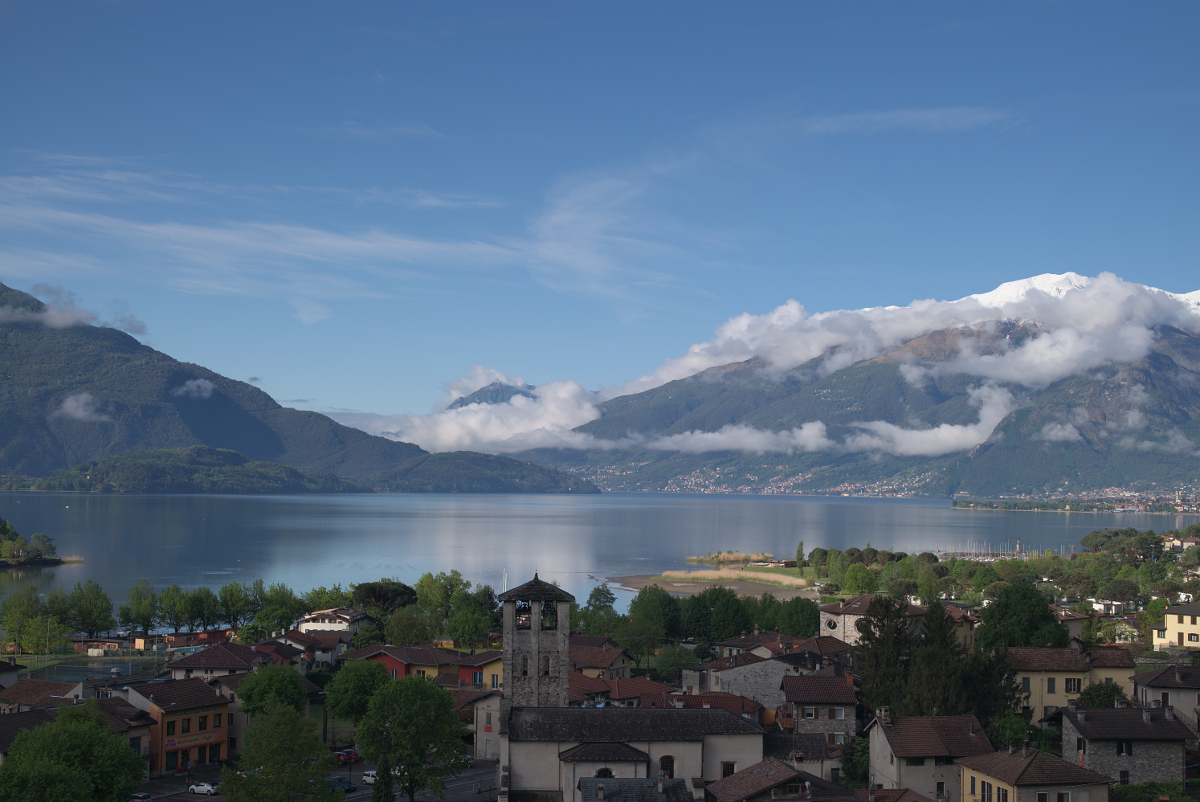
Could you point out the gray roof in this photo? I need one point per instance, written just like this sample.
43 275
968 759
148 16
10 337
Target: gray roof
623 724
536 590
631 790
603 753
1170 677
1128 724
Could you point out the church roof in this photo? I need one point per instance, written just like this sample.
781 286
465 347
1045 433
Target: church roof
536 590
623 724
603 753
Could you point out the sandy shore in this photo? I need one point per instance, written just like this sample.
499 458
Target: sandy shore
680 587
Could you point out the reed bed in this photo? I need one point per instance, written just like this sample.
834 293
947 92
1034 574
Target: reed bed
730 575
731 557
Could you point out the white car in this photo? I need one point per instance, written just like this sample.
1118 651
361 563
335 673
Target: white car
368 777
203 788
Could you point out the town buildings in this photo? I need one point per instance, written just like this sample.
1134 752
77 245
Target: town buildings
919 752
1028 775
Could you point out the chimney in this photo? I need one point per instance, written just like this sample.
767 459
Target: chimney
660 783
1012 747
707 705
1083 715
1177 677
884 714
1169 712
1071 704
600 792
972 725
1146 716
1025 749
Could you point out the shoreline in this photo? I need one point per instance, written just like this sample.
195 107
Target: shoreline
679 587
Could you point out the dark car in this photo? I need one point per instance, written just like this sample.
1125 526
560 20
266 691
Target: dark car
341 782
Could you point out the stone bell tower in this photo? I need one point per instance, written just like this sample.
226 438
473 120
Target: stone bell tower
537 631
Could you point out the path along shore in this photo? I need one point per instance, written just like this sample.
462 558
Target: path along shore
682 587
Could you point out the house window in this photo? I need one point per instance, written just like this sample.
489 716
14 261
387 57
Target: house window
214 753
941 790
420 672
476 677
495 681
914 761
728 768
185 726
170 728
810 712
1124 778
1180 621
1072 685
1050 684
972 785
1064 796
832 714
524 665
233 744
1001 795
666 767
545 665
1193 637
393 673
487 718
216 721
987 791
1193 620
1165 698
1043 796
891 758
835 775
1125 748
172 761
202 723
841 714
1080 745
604 773
1024 684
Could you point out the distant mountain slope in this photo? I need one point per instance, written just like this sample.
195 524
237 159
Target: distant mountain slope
470 472
1123 425
196 469
494 393
73 394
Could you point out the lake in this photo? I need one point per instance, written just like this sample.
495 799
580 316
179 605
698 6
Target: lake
306 541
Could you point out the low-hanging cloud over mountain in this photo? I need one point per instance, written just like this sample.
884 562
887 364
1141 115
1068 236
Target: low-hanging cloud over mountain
1079 323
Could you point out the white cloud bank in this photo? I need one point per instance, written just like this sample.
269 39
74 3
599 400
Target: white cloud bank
1083 324
81 407
194 388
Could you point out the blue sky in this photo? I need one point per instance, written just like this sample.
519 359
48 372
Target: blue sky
355 204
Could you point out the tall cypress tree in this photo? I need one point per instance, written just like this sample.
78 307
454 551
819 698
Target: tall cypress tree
881 656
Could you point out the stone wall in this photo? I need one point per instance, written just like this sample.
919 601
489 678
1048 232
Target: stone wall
1151 761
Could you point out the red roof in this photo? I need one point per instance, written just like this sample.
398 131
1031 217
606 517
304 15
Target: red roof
714 699
819 690
934 736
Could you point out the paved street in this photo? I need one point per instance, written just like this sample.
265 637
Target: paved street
477 784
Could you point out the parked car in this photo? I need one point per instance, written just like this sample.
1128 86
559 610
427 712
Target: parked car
140 797
347 756
369 777
341 782
203 788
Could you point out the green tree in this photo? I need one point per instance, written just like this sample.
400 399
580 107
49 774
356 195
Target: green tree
280 609
27 621
88 758
384 789
387 596
269 686
1007 729
348 694
283 759
1019 617
816 559
935 672
1101 694
729 618
91 609
468 626
434 594
672 659
204 607
881 654
799 617
859 579
800 557
44 544
835 566
323 598
140 609
173 607
409 627
856 761
236 605
412 723
598 616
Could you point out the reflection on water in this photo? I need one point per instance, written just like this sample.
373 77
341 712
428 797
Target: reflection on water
83 669
305 541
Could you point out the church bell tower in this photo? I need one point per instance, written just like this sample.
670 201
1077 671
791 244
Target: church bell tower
537 631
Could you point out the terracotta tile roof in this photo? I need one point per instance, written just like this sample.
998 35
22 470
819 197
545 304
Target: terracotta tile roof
14 724
592 640
580 686
595 657
120 715
818 690
536 590
181 694
1170 677
1191 608
634 687
934 736
890 795
858 606
573 724
409 655
603 753
1128 724
1034 767
822 644
1047 659
1063 614
1110 657
715 699
733 661
480 658
1032 658
29 691
959 615
748 640
284 650
751 781
221 655
627 789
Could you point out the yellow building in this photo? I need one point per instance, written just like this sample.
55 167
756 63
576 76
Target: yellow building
1027 775
1051 678
1180 627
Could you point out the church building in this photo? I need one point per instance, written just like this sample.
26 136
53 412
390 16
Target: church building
546 748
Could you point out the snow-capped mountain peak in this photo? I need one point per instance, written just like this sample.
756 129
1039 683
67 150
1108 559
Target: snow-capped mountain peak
1056 284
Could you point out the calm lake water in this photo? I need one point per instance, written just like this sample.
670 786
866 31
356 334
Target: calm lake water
305 541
